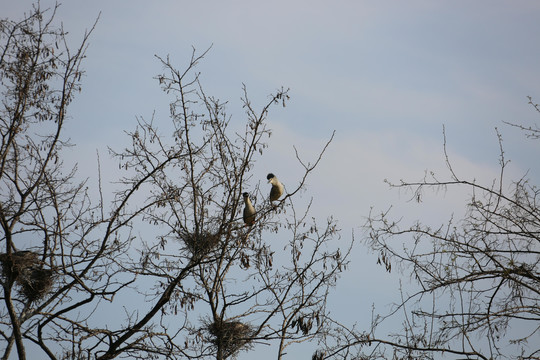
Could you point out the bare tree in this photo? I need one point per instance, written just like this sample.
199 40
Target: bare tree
477 279
167 269
39 203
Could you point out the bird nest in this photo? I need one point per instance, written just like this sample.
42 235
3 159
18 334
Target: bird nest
25 269
230 336
200 244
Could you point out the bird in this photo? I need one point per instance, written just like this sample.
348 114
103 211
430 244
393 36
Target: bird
249 210
277 187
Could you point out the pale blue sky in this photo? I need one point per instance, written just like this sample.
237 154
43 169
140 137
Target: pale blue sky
386 75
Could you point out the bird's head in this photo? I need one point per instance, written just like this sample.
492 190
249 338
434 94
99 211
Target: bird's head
270 176
245 195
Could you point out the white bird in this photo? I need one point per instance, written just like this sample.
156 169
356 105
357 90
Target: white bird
249 210
277 187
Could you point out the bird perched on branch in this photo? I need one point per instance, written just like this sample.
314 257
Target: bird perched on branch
277 187
249 210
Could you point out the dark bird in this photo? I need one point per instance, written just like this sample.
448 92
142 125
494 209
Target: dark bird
277 187
249 210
